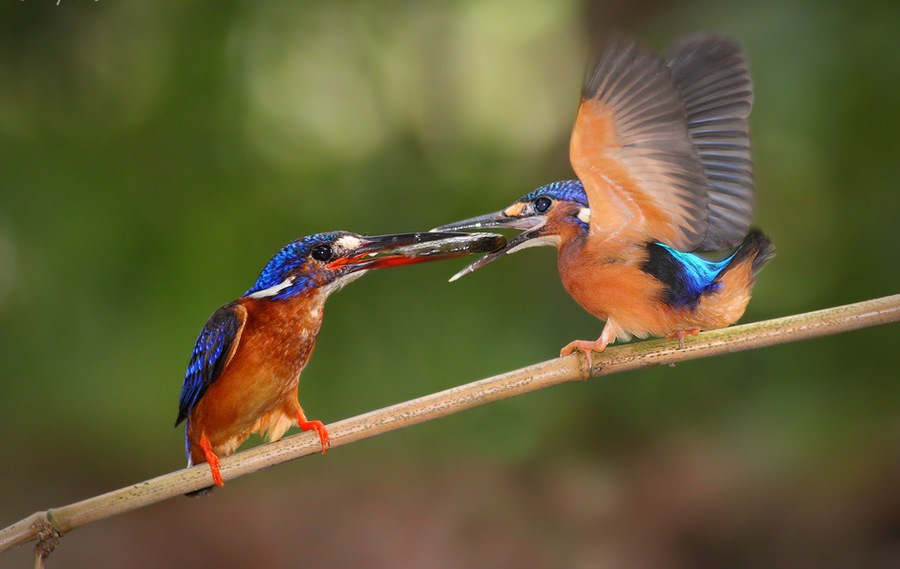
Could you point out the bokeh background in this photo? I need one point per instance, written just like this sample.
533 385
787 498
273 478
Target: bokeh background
155 154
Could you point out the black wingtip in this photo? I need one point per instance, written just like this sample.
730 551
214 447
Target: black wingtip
764 247
180 419
706 47
759 246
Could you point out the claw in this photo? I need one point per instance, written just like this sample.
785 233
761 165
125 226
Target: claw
587 348
316 426
212 460
681 334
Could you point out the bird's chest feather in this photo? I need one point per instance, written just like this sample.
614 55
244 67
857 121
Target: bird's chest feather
277 342
606 279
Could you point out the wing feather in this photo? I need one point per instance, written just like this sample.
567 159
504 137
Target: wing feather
713 78
631 149
215 347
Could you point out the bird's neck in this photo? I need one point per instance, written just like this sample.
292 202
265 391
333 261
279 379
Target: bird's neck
571 231
291 316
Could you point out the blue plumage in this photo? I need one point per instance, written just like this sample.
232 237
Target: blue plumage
215 342
687 277
566 190
211 351
290 258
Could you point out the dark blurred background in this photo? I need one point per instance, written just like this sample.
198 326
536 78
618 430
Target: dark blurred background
155 154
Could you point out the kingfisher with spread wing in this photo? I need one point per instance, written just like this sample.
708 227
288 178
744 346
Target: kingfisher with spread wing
662 154
245 369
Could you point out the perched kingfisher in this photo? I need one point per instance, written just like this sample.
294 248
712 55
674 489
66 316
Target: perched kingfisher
662 153
245 369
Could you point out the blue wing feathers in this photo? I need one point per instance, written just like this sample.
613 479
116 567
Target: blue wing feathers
214 347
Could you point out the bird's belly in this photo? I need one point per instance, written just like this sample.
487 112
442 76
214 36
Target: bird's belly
634 300
629 297
256 393
233 407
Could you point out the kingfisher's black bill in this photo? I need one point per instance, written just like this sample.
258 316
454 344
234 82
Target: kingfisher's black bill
521 241
496 219
380 251
529 224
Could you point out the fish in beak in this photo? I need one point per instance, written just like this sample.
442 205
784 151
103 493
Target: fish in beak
520 215
394 250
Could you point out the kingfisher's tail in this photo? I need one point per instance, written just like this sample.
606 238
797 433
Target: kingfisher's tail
756 250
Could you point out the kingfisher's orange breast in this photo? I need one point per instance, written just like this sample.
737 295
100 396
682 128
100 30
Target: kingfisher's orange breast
605 278
257 390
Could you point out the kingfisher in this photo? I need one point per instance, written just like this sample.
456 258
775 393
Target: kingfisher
245 369
661 150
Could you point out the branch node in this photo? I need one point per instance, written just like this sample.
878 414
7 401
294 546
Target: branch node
586 368
47 539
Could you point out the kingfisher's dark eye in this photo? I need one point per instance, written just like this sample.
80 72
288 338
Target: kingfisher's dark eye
542 204
322 253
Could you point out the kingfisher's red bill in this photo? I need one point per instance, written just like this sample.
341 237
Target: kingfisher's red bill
244 372
662 153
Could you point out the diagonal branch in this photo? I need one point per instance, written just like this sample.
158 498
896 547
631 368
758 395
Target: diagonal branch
48 526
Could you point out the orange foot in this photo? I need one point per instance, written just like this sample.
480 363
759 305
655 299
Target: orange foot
588 348
212 460
317 426
681 334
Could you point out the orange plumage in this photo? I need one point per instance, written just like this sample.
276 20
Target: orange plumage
662 154
256 392
245 369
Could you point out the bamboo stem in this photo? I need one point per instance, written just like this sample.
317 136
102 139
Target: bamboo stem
50 525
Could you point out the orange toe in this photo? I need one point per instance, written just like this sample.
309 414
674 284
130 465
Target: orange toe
680 334
316 426
586 347
212 460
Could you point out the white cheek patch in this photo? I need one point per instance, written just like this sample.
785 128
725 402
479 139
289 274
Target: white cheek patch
273 290
544 240
584 214
348 243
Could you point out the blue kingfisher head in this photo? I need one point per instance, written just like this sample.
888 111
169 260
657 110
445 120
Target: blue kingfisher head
548 215
327 261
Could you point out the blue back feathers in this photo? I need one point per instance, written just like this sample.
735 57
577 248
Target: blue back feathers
291 257
687 277
566 190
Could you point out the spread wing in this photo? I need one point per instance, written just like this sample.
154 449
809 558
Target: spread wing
712 75
632 151
214 348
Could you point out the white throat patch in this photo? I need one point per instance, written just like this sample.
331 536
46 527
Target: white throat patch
339 283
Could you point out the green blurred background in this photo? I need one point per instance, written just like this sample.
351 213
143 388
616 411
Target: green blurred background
155 155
